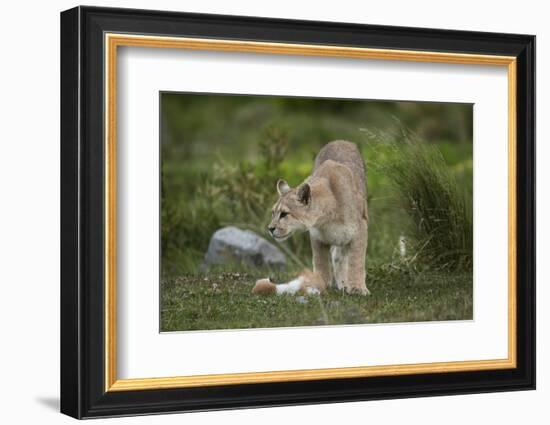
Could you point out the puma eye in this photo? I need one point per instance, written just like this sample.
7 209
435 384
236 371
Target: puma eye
283 214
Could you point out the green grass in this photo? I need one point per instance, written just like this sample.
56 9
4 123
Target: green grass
224 301
404 289
438 205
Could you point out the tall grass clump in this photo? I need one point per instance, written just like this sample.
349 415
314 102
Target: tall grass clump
439 208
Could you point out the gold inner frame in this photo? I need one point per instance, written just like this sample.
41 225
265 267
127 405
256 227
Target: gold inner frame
113 41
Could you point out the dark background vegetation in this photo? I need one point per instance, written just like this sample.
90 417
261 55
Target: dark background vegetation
221 157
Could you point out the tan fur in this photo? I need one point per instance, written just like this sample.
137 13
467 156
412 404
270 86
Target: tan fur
331 205
264 287
311 280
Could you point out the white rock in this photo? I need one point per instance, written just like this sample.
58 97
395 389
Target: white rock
230 245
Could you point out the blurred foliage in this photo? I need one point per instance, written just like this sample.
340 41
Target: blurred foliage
222 156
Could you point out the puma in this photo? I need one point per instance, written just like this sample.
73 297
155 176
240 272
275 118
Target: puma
331 205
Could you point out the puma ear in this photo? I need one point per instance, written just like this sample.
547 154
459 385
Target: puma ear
304 194
282 187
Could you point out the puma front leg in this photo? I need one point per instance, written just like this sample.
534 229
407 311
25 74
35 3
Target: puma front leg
321 260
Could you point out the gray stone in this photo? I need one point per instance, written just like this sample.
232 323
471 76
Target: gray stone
230 245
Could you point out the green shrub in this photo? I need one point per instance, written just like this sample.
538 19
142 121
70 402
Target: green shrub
247 190
439 208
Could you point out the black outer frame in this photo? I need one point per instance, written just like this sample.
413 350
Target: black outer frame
82 216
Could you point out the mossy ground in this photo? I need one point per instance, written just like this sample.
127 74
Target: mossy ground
224 301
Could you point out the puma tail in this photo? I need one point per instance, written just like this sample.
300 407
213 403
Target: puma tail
307 282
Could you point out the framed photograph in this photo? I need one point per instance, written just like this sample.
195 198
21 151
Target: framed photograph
260 212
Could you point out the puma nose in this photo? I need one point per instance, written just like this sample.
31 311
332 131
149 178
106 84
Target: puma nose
271 229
